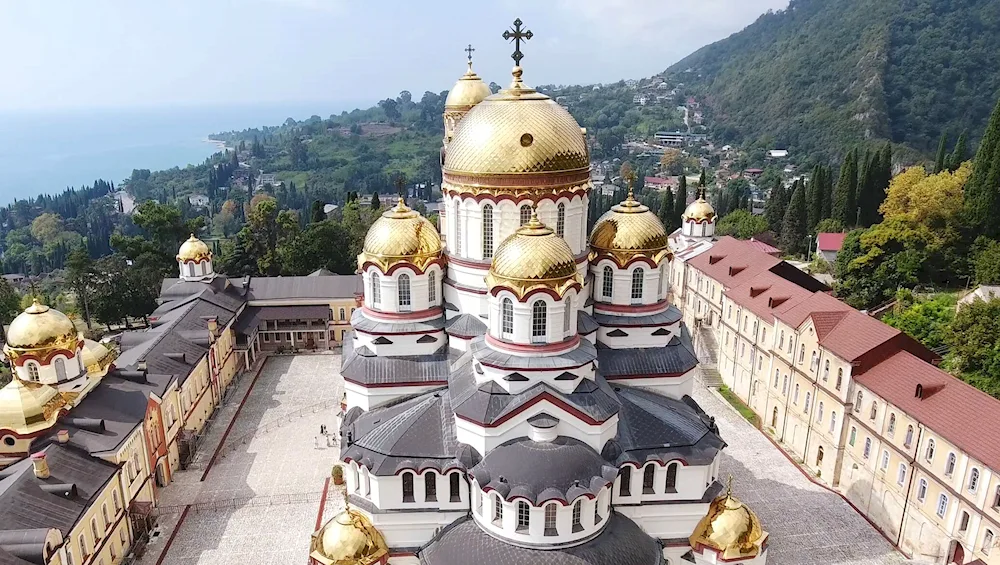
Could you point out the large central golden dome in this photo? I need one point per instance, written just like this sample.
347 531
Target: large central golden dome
627 231
40 328
517 131
349 538
731 528
533 257
401 235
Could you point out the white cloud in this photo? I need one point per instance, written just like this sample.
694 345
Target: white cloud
327 6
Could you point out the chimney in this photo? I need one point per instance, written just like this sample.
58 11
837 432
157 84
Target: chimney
141 365
62 436
40 464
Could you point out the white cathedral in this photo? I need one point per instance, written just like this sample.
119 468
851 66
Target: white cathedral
518 390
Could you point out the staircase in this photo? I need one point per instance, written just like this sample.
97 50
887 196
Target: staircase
708 357
710 376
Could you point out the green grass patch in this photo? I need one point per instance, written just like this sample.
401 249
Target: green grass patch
743 409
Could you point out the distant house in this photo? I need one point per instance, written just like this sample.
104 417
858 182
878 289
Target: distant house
752 174
330 208
198 200
777 154
659 183
983 292
640 99
829 244
671 138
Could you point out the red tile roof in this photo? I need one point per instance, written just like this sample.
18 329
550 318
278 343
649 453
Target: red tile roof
767 294
732 262
763 247
820 302
830 241
854 335
947 406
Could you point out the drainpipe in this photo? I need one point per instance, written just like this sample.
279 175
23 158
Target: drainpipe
791 373
909 486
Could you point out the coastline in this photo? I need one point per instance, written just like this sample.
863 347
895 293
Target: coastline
219 145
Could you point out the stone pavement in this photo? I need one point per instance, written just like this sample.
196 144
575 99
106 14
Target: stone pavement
808 524
260 499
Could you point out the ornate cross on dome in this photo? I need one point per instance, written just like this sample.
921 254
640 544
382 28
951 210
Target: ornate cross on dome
469 50
517 35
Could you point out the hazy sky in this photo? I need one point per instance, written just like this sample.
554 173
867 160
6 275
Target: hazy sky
91 53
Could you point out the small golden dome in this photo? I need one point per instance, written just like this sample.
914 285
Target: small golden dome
467 92
40 328
96 357
400 235
533 257
700 210
26 408
517 131
731 528
627 231
194 249
349 538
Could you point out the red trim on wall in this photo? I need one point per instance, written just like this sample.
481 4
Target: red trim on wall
545 396
652 376
322 504
45 360
542 348
462 288
620 308
391 316
522 299
603 255
439 261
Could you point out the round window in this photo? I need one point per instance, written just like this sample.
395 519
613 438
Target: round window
527 140
9 441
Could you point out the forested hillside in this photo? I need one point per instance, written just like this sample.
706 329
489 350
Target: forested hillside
826 73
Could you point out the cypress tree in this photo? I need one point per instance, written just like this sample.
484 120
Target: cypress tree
981 191
680 203
793 225
666 212
866 189
702 181
774 209
814 198
844 207
958 156
827 194
942 154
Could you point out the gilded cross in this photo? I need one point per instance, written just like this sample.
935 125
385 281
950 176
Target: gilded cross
517 35
469 50
400 184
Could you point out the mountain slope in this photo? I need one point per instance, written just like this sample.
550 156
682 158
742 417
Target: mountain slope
826 73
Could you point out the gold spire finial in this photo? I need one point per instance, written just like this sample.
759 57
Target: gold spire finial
729 486
469 51
516 34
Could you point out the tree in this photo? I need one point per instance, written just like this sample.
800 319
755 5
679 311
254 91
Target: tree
121 291
958 156
316 213
391 109
666 212
701 180
774 209
741 224
626 171
47 227
844 203
226 220
680 202
987 262
829 225
814 198
888 256
924 320
974 339
79 275
932 200
672 161
982 193
322 244
942 154
10 305
793 225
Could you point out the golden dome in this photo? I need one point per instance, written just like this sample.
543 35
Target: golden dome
26 408
627 231
96 357
533 257
517 131
467 92
400 235
194 249
38 330
349 538
700 210
731 528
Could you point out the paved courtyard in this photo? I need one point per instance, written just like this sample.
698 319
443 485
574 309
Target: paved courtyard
808 524
261 497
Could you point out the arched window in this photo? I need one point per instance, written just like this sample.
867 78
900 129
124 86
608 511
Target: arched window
550 520
637 280
819 412
458 230
776 373
840 377
60 368
487 231
497 511
577 516
626 482
407 487
942 505
431 288
874 411
922 490
929 454
366 480
597 508
857 403
784 385
901 474
671 483
566 314
988 542
507 319
885 459
826 370
523 516
190 267
561 220
795 395
376 290
430 486
659 283
647 479
892 424
774 417
963 524
854 435
814 361
909 436
949 466
117 501
525 213
403 289
868 447
781 340
343 315
455 493
608 283
833 421
539 327
805 405
974 480
802 354
32 371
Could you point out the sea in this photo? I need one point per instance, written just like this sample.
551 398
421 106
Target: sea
46 152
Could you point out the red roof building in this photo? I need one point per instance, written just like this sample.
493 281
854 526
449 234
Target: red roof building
763 247
830 241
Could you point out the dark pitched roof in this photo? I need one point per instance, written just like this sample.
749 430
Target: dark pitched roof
290 288
119 403
580 355
585 323
562 469
363 367
622 542
676 358
466 326
669 316
362 323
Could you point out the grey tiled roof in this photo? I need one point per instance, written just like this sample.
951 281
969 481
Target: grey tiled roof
652 427
466 325
361 366
362 323
562 469
669 316
621 542
674 359
287 288
585 323
576 357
